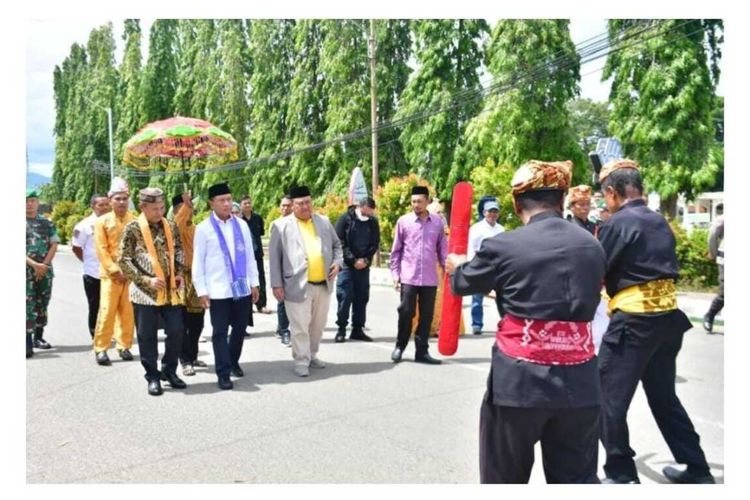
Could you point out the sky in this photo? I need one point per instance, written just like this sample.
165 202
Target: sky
48 42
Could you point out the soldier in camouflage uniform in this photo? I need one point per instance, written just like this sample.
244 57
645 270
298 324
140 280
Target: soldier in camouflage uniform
41 245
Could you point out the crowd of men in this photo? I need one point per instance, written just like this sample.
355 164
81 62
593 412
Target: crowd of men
549 382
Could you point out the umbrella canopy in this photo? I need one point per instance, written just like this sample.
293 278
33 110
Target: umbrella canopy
179 137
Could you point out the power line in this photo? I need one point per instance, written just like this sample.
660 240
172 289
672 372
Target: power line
591 49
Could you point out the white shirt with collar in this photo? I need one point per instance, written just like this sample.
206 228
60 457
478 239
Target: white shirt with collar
83 237
210 273
479 232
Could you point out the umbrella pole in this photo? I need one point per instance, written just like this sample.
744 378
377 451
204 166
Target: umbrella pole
184 175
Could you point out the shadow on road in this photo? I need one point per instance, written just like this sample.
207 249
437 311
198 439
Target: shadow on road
281 372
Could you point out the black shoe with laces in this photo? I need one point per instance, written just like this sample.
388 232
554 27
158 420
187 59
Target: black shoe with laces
360 335
687 477
340 335
41 344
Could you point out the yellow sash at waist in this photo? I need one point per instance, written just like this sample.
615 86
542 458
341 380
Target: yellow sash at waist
650 297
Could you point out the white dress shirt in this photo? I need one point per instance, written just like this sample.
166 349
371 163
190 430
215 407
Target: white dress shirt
83 237
210 273
478 232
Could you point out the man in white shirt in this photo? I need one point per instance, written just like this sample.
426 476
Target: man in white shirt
485 228
225 277
85 250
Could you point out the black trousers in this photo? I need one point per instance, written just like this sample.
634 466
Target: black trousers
406 310
193 324
507 435
621 366
147 320
226 313
92 287
352 292
718 303
262 299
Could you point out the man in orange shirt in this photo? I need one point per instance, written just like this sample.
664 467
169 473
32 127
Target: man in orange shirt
115 309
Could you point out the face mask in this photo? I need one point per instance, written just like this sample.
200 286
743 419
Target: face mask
361 217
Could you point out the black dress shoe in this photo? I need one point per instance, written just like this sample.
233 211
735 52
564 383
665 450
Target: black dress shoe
125 354
708 323
174 381
154 388
41 344
340 335
620 480
102 358
427 359
286 338
360 335
686 477
396 355
225 383
29 353
237 372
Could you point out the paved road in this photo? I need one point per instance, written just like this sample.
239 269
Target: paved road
360 420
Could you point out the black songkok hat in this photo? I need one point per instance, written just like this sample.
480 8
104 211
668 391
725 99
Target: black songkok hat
218 190
420 190
176 200
299 192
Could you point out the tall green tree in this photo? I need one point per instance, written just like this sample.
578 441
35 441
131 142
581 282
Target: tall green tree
128 104
68 106
101 89
535 70
160 73
394 49
307 105
346 84
663 100
271 47
449 55
236 69
187 64
589 120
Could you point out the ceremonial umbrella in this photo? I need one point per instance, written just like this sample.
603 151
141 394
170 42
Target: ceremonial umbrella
179 137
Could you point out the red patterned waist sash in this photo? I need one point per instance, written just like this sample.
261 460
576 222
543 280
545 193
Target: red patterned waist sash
545 342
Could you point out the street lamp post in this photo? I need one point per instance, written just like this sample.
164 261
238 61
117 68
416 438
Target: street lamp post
109 128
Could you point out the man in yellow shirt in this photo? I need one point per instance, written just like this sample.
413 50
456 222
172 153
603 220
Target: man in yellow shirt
305 257
115 309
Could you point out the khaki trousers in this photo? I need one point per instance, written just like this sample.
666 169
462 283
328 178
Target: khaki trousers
115 317
307 320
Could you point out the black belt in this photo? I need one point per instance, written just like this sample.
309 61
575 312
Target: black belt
317 282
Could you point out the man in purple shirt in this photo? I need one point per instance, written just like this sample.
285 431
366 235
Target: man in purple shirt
419 247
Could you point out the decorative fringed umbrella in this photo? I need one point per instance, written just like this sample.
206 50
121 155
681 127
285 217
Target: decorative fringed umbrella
179 137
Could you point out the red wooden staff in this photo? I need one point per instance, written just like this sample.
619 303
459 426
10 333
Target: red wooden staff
458 242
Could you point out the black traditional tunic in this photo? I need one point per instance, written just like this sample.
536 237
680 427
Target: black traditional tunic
585 224
549 269
640 248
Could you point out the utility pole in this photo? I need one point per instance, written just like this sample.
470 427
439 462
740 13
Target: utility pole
372 51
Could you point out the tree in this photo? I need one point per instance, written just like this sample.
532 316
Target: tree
307 104
160 73
128 104
663 100
346 84
446 85
535 71
589 120
101 91
271 47
393 38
